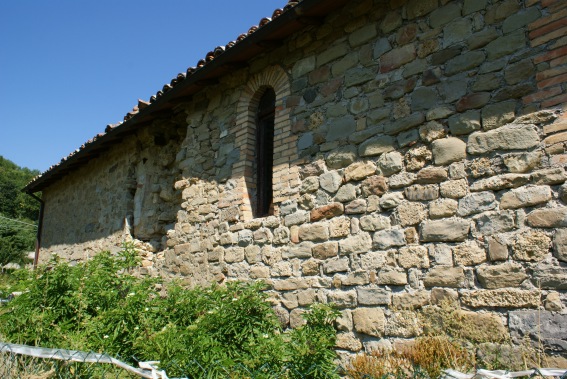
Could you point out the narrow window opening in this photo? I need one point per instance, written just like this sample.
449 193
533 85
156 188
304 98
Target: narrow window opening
265 153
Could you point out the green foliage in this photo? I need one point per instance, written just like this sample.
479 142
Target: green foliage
15 237
98 306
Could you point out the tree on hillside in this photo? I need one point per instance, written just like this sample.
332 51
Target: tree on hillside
18 212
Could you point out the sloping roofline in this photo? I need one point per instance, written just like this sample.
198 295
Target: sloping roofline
268 34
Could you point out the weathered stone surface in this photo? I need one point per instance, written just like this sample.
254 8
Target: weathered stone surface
296 218
330 181
385 239
413 256
312 169
417 158
348 341
432 131
356 278
430 175
472 101
509 274
405 123
553 302
490 223
391 200
420 192
497 249
343 299
333 265
469 254
373 296
506 45
377 145
524 162
464 123
525 197
390 163
476 203
551 176
441 208
310 184
359 170
548 327
509 137
448 150
356 206
483 327
454 189
563 193
550 276
325 250
497 115
404 323
548 218
445 230
346 193
356 244
531 246
374 185
510 297
500 182
341 157
560 244
445 276
369 321
411 300
392 276
339 227
314 232
374 222
410 213
443 295
397 57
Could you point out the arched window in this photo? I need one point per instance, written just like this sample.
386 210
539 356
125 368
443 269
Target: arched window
264 154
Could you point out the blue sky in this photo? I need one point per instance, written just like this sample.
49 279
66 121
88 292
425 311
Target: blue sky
70 67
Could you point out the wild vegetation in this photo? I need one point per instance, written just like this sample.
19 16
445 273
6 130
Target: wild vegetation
98 306
18 213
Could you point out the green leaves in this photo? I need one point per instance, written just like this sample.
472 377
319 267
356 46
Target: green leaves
98 306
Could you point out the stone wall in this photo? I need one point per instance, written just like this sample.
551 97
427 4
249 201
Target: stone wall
124 195
419 155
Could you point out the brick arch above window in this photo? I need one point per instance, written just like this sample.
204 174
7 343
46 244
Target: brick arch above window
285 175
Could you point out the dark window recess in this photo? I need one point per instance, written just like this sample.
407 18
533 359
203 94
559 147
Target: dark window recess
265 153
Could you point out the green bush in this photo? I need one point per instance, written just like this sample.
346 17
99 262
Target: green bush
98 306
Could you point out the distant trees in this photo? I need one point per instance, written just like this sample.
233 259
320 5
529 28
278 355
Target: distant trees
18 213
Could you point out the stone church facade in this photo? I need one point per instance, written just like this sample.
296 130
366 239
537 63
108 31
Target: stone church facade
412 151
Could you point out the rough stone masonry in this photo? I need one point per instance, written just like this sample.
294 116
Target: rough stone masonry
419 156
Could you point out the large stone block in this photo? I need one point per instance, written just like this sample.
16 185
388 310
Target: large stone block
330 181
509 137
374 185
374 222
377 145
356 244
341 157
373 296
413 256
448 150
445 230
525 197
500 182
314 232
327 211
454 189
385 239
490 223
549 276
548 218
476 203
420 192
410 213
392 276
532 245
509 274
509 298
359 170
469 254
540 326
325 250
369 321
445 276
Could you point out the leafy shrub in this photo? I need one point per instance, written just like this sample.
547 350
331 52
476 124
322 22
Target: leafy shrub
98 306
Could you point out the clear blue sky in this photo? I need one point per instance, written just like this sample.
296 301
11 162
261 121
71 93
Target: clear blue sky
70 67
